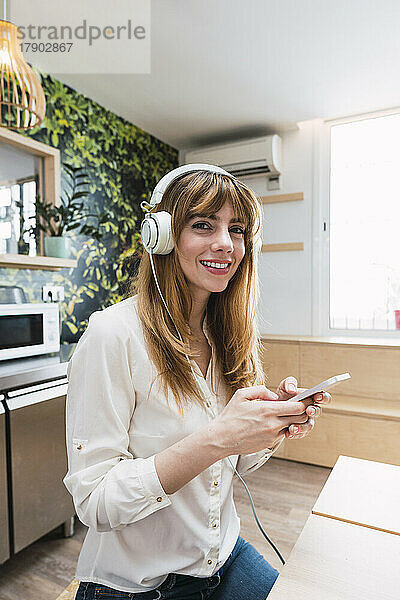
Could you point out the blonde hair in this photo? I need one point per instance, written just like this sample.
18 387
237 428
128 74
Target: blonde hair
231 314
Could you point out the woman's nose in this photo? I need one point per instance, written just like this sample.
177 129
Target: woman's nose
222 240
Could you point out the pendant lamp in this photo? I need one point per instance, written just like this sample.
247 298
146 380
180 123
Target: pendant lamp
22 100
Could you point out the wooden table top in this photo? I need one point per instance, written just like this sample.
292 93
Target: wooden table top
334 560
362 492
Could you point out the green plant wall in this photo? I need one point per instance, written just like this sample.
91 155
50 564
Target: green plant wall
123 164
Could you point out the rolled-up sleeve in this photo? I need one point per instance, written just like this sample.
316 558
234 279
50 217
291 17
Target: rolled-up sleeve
110 487
251 462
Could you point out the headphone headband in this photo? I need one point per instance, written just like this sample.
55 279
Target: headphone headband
162 185
156 232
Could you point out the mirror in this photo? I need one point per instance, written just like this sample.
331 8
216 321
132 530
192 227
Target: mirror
28 169
19 184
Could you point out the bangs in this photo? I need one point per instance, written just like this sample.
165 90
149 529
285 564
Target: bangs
223 189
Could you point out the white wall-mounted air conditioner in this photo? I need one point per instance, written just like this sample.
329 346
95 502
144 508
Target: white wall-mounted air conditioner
255 156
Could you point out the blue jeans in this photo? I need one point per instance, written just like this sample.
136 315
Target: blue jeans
245 575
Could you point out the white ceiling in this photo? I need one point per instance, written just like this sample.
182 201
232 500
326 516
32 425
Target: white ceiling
225 69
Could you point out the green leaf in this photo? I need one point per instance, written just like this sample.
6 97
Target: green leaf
73 328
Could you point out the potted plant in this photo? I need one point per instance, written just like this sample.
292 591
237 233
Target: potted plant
54 220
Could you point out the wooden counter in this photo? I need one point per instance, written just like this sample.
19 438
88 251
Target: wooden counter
363 419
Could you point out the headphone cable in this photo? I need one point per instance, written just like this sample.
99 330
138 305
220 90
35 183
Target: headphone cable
255 514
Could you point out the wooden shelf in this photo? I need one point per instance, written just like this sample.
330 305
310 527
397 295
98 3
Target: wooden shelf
285 247
48 263
272 199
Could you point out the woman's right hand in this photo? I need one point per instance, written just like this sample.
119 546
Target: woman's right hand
246 426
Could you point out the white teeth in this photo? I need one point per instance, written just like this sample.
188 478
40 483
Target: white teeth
215 265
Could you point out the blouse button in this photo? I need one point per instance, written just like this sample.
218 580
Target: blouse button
215 483
214 525
159 499
79 447
209 561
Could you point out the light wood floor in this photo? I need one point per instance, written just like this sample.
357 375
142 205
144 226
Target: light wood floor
283 493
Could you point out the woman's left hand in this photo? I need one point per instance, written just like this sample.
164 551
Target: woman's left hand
286 390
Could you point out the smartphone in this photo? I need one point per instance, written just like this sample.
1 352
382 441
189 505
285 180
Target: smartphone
321 387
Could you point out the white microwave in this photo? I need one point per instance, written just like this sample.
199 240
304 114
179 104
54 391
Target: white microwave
29 329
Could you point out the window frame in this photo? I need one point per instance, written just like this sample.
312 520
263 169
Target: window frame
321 238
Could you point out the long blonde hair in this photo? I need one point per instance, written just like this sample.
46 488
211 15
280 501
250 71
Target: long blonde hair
231 314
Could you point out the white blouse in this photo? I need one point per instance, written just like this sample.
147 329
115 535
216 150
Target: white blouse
137 533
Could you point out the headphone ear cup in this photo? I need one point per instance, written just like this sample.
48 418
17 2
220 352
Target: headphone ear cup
156 233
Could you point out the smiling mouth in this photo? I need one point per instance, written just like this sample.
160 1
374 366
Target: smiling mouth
216 270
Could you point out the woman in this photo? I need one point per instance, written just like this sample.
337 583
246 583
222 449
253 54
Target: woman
157 422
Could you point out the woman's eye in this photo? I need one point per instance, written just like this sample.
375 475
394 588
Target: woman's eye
196 225
238 230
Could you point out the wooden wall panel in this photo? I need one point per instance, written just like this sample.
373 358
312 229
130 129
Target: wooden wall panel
375 372
280 360
336 434
363 419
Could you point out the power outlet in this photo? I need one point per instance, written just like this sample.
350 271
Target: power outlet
52 293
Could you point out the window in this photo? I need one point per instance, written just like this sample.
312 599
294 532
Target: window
364 248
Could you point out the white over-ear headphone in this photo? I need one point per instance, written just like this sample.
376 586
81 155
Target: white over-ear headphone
156 231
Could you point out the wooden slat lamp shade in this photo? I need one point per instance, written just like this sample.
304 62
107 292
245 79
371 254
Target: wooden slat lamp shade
22 100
